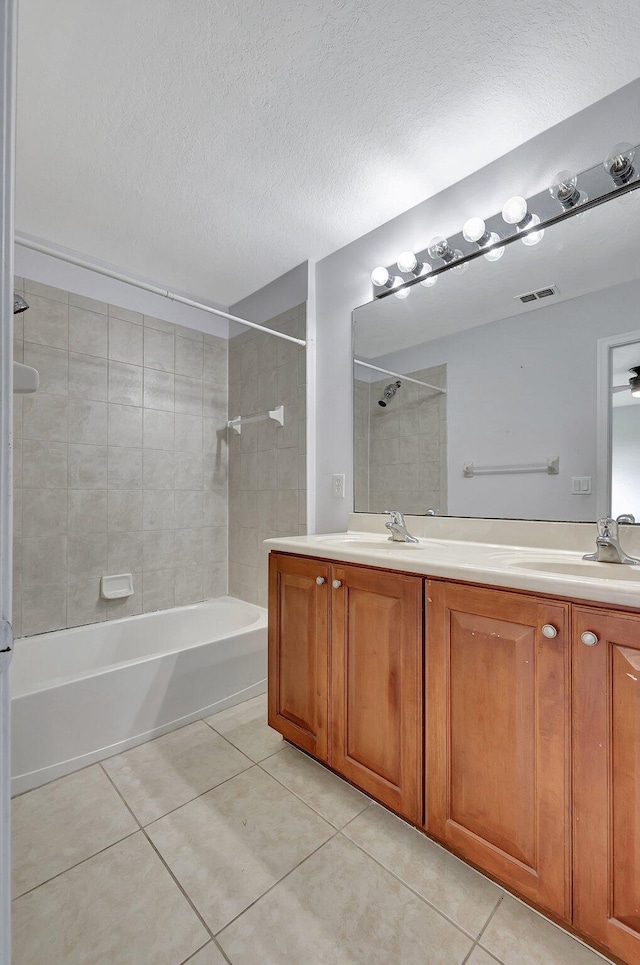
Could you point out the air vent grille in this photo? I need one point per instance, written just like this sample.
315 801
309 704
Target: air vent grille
541 293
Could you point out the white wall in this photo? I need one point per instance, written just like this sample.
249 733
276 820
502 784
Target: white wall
518 391
625 460
278 296
342 279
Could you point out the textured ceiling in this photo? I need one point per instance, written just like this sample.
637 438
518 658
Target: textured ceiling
215 145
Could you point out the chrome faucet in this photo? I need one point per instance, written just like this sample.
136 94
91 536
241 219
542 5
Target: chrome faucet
608 549
398 528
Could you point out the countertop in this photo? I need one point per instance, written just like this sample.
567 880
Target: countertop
538 569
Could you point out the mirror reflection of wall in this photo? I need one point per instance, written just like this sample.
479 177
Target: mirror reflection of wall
401 442
521 380
625 432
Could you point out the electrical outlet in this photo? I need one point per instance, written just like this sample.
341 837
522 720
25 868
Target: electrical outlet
337 485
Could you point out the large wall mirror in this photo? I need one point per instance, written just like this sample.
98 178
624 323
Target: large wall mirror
506 390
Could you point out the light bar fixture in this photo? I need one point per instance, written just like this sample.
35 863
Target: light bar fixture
565 190
475 232
619 164
515 212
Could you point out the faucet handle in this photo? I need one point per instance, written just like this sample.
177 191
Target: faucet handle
608 528
396 515
626 518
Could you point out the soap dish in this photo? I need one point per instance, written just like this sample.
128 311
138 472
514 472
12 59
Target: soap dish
116 587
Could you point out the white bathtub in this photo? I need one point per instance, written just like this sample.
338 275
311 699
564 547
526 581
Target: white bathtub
84 694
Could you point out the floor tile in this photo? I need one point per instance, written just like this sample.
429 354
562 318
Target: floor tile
56 826
480 957
232 844
121 906
334 799
517 936
245 725
451 886
340 907
165 773
209 955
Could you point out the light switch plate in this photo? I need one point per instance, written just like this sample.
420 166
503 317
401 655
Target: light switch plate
337 485
581 485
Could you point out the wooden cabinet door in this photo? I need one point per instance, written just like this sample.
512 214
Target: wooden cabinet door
606 775
376 668
299 651
497 736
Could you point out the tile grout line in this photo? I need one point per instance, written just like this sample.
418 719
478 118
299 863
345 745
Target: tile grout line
76 865
404 884
276 883
201 949
476 943
168 869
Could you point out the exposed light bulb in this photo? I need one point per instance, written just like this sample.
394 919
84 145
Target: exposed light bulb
619 164
565 190
380 277
439 248
514 211
408 263
534 237
475 231
430 280
496 253
403 292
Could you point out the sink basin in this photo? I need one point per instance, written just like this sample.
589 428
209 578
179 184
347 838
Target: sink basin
373 543
582 568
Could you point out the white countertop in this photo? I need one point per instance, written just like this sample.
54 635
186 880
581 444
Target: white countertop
539 569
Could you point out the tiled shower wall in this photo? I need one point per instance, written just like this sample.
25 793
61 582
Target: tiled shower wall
267 463
401 450
120 462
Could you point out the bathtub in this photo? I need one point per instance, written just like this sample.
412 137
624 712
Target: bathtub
80 695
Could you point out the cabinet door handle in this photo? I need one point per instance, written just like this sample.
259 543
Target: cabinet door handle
320 580
336 584
549 631
589 638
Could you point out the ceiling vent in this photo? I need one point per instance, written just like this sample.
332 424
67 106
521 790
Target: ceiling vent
541 293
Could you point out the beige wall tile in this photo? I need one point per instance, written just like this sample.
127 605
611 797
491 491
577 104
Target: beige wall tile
88 332
44 608
87 377
87 467
124 552
44 512
44 465
87 557
52 365
158 590
189 359
45 417
158 549
159 390
124 468
124 426
159 469
159 348
47 322
159 430
88 422
125 383
43 560
125 314
158 510
87 511
125 341
125 511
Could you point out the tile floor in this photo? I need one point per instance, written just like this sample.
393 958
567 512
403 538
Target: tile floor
220 843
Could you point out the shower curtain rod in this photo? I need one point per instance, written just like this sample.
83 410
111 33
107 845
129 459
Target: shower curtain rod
398 375
172 296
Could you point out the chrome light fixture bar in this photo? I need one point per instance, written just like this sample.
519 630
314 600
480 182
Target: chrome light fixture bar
529 226
430 275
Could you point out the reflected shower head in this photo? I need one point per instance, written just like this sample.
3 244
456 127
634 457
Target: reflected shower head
19 304
389 393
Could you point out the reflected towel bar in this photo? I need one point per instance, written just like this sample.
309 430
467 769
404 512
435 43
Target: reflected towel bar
551 467
276 414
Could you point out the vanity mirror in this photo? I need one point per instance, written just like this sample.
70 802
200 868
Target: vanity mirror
510 388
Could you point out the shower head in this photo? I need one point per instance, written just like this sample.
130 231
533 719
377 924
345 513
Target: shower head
389 393
19 304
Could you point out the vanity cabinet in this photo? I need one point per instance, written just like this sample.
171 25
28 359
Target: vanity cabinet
376 687
606 775
362 629
528 761
497 747
299 651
